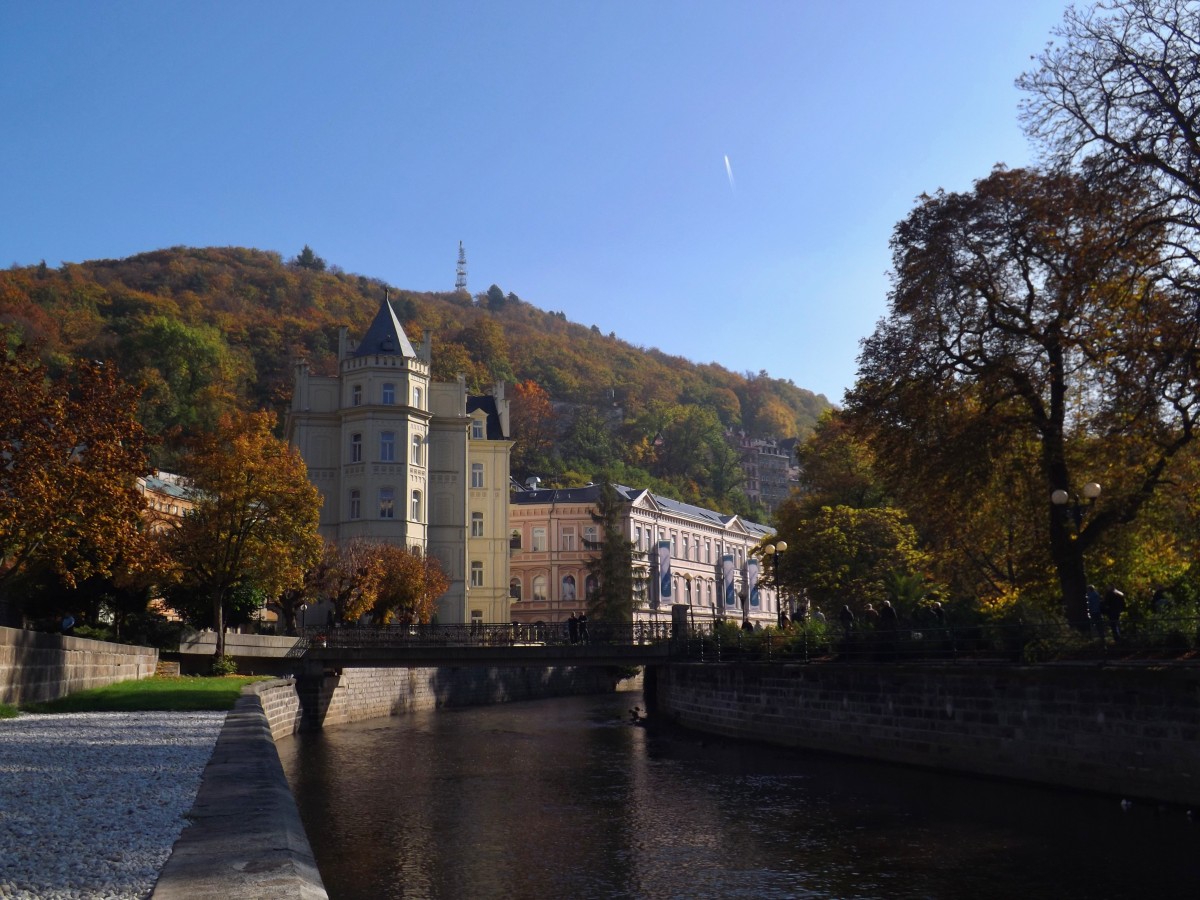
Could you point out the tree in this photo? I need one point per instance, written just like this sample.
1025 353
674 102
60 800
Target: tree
1032 331
613 565
254 516
533 428
1123 86
406 587
841 555
71 450
306 259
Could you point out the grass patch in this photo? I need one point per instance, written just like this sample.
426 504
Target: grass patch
7 712
155 694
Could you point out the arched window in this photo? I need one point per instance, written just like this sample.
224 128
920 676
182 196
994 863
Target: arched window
514 588
476 524
539 588
416 506
590 586
476 573
568 589
416 450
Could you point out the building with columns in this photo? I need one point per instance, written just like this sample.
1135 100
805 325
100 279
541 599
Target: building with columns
402 459
705 555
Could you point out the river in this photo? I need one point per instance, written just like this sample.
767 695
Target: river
566 798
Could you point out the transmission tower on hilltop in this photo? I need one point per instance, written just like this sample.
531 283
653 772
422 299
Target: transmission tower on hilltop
460 273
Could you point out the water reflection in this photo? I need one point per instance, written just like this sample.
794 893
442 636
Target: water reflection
566 798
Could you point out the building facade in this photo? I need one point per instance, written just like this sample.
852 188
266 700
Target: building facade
405 460
683 554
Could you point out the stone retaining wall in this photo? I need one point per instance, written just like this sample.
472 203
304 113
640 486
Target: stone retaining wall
35 666
1127 732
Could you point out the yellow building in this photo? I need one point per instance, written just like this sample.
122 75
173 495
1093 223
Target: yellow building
405 460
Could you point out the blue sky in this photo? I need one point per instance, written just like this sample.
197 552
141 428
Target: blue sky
577 149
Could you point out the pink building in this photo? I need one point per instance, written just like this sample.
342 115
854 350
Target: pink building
704 555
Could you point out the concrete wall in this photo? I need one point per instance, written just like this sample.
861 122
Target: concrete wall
36 666
1127 732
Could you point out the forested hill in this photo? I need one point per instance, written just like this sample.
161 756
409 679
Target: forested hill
208 328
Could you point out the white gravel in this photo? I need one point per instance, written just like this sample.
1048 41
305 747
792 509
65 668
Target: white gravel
91 803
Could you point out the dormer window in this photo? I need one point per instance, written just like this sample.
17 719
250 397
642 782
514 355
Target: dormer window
477 432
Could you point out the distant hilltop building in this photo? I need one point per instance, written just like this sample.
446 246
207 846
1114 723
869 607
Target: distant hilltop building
405 460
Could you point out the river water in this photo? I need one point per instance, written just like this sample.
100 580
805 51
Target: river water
566 798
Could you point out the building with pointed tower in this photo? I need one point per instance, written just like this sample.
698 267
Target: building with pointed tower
405 460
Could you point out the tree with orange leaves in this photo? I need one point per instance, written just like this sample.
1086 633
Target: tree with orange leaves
405 587
71 450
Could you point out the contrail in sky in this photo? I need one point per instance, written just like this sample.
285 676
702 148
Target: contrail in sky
729 172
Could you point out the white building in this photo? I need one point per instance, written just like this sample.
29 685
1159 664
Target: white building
405 460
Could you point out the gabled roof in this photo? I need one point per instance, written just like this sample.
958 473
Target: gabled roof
486 404
385 336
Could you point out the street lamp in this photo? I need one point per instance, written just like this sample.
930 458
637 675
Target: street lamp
303 610
1068 550
773 552
1072 507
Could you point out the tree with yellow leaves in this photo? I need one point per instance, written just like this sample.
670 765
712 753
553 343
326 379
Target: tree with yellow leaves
254 517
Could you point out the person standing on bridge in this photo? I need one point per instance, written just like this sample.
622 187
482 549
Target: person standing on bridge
573 629
583 629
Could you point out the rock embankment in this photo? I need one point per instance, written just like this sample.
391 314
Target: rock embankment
91 803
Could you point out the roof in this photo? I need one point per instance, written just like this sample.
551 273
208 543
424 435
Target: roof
591 494
486 404
385 336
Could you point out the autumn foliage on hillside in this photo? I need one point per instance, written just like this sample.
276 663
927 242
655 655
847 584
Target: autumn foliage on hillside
206 331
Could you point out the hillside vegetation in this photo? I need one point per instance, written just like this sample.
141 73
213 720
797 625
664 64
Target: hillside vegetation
205 330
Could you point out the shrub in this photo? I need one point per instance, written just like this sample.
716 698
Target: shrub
224 665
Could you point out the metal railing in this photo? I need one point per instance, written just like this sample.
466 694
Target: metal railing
483 635
1158 639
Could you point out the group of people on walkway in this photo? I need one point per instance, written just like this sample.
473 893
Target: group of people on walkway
1107 608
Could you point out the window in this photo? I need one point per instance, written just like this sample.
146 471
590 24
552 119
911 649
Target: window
355 505
356 448
637 538
387 503
514 588
476 524
388 395
589 534
387 446
476 475
476 618
417 397
708 551
476 573
416 506
568 589
568 538
589 587
539 588
477 430
416 450
539 540
686 547
356 395
674 545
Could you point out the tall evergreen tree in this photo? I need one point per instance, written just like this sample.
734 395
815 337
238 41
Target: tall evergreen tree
612 567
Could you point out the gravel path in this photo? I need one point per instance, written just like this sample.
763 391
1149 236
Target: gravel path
91 803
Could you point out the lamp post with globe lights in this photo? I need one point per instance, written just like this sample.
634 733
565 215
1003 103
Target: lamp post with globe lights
1066 527
773 552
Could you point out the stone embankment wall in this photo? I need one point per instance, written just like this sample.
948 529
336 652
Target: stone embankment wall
35 666
1127 732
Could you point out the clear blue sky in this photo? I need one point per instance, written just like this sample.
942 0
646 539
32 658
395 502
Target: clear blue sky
576 148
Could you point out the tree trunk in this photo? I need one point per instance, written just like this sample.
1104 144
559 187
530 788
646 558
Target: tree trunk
1067 553
219 622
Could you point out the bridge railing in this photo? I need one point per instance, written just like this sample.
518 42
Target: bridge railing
1160 638
482 635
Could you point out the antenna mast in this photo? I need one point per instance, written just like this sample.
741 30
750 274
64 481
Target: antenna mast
460 273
